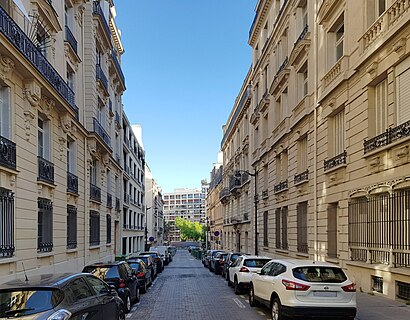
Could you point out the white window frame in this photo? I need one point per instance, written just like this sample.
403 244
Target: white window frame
5 112
43 138
71 156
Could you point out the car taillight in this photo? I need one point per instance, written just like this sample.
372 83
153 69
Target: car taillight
221 262
140 274
122 283
349 288
244 269
290 285
157 259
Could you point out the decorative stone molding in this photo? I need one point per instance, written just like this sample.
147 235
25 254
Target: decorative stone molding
29 116
47 105
6 67
62 146
65 123
372 69
400 47
92 149
386 186
32 92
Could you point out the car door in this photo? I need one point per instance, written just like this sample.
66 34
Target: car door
131 279
259 279
147 272
82 301
105 296
235 268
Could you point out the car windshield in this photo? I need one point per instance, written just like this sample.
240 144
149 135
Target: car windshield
134 265
22 302
320 274
255 263
103 272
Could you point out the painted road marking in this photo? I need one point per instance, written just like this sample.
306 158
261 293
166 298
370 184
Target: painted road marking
240 304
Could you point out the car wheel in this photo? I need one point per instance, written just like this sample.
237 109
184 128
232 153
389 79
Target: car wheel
227 276
121 314
137 295
236 288
229 282
276 310
127 303
252 301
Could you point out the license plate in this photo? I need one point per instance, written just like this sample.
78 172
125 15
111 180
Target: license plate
324 293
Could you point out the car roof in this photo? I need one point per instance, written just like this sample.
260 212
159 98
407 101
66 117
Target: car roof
105 264
255 257
40 281
305 263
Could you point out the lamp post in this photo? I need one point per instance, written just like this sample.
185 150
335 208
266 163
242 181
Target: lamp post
254 175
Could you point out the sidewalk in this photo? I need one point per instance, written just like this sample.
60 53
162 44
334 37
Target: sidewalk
379 308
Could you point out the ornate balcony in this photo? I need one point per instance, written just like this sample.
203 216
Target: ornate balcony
301 177
69 37
99 130
7 153
118 66
45 170
99 73
265 194
389 136
281 186
109 200
224 194
72 183
335 161
28 49
95 193
98 12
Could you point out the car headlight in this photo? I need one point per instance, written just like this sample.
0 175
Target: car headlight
60 315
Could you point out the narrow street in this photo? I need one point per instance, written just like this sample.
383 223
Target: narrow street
188 291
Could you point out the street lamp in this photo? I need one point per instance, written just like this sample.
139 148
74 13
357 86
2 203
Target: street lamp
254 175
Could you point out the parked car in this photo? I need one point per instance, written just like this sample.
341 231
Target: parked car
217 262
157 258
163 250
172 250
142 272
209 256
150 263
120 275
229 259
298 288
240 272
63 296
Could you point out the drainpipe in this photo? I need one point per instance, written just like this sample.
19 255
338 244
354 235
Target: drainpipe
85 141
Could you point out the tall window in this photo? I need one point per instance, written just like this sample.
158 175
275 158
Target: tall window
5 114
43 138
265 228
93 173
381 107
108 181
403 90
284 104
338 134
94 228
281 217
108 228
336 40
375 8
302 227
101 113
302 88
71 227
6 223
45 225
71 157
278 111
42 39
70 77
302 146
332 230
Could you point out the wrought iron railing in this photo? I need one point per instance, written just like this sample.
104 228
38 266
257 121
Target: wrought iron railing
95 193
7 223
28 49
97 10
224 193
71 227
70 38
109 200
100 131
100 76
283 185
94 228
45 170
118 66
336 161
45 225
300 177
389 136
72 183
7 153
283 65
265 194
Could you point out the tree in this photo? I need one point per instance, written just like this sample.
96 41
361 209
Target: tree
189 230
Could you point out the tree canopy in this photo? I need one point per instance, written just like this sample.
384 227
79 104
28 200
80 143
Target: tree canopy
189 230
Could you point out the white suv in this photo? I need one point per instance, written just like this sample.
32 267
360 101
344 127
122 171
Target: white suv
240 272
303 288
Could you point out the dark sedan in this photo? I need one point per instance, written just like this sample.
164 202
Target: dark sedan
64 296
142 272
149 261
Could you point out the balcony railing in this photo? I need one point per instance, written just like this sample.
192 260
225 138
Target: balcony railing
224 194
265 194
117 204
283 65
118 66
29 50
7 153
98 11
100 75
99 130
300 177
70 39
281 186
389 136
109 200
72 183
335 161
45 170
95 193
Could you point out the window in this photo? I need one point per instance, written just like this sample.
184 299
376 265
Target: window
281 217
43 138
94 228
70 78
339 41
71 227
302 89
282 166
5 4
332 230
6 223
403 92
265 228
71 156
93 173
108 229
45 225
77 290
381 107
101 113
108 181
338 134
42 39
302 146
5 115
375 8
302 227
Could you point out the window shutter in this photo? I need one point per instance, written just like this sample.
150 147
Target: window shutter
403 96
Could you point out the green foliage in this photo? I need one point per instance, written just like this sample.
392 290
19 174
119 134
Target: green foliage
193 231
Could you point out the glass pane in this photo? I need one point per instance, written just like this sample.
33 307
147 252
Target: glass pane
320 274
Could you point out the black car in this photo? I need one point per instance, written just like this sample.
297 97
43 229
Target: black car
149 261
120 275
157 258
210 255
63 296
229 259
218 262
142 272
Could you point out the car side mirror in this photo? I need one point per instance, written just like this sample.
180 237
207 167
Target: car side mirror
112 288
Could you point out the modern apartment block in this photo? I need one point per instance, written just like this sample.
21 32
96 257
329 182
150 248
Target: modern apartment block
154 211
185 203
60 100
327 111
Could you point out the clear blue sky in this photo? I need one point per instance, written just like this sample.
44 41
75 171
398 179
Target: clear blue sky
184 64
